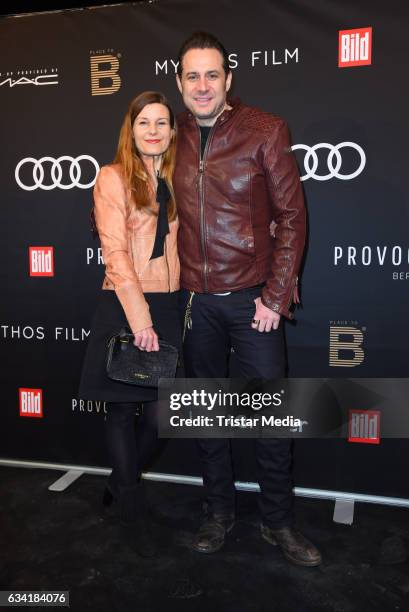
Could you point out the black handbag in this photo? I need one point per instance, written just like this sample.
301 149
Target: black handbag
128 364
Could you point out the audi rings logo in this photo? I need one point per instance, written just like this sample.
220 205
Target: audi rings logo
74 166
334 161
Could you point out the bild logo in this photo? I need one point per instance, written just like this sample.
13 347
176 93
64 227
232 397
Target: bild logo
31 402
364 426
41 260
355 48
65 172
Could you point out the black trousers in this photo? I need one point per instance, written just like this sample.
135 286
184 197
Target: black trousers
132 441
220 323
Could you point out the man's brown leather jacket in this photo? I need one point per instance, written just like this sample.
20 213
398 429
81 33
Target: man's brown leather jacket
229 202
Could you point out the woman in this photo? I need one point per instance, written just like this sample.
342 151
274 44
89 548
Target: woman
135 216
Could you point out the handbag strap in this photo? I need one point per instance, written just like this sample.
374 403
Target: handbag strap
124 334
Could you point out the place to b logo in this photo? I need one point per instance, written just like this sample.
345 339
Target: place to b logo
355 48
105 78
31 402
41 260
364 426
345 347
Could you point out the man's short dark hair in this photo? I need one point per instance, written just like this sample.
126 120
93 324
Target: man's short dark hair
203 40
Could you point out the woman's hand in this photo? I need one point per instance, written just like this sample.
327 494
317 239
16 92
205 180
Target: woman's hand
147 340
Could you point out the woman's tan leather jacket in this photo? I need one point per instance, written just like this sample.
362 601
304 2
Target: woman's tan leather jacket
127 240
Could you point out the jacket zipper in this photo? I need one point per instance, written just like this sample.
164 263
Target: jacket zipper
294 293
165 252
167 262
294 287
201 202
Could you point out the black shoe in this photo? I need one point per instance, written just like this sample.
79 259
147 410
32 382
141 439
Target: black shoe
111 492
107 498
134 521
212 532
140 538
295 547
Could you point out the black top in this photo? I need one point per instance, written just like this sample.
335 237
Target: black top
162 228
204 133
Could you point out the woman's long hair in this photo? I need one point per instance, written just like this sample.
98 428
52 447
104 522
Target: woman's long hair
134 171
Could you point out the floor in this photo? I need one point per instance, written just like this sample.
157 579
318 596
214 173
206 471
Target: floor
66 541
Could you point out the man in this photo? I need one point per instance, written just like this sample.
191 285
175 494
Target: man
241 239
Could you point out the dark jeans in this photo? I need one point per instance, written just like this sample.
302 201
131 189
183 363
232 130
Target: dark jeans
131 448
220 323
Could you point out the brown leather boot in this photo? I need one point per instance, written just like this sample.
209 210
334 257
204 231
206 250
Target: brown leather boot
212 532
295 547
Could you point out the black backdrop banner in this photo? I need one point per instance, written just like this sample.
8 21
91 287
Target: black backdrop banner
335 71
